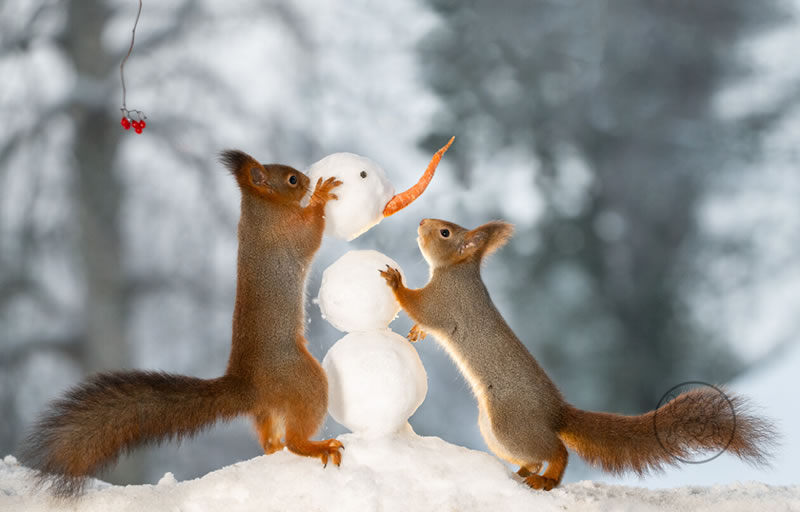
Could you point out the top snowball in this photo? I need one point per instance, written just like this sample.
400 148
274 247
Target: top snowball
363 194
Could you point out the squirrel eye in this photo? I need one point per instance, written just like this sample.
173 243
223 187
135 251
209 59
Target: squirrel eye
363 174
293 180
444 232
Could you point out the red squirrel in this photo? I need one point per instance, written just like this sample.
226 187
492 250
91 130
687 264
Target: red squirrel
271 376
522 415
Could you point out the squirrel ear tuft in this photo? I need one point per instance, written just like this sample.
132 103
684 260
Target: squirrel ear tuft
235 160
238 163
486 239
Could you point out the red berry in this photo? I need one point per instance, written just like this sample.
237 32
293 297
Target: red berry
142 124
125 123
138 129
135 124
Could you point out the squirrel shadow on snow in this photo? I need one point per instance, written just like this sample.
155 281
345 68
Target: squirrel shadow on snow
271 376
522 416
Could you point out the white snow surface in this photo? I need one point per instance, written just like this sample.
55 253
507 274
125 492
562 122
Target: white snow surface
376 381
403 473
361 197
353 296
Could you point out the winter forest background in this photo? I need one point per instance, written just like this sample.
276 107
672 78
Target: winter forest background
646 151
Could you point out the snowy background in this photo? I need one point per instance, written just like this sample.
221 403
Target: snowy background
647 153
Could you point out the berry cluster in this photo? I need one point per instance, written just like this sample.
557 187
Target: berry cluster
127 122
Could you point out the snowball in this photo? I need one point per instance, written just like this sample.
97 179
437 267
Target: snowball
375 382
353 296
363 194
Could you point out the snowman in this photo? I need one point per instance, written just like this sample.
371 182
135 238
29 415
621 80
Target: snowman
375 378
366 195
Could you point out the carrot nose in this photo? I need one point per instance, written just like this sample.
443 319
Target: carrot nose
403 199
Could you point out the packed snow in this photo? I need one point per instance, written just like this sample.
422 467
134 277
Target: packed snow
353 296
364 192
402 472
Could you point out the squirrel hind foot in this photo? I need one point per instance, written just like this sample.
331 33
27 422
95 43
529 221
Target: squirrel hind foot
271 446
270 431
540 482
324 450
529 469
552 475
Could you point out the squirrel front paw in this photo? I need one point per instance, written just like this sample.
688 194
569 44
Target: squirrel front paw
416 333
322 192
392 277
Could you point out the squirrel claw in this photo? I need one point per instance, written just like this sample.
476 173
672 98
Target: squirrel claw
416 334
322 191
327 450
392 277
331 449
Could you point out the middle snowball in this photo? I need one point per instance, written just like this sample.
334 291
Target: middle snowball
354 297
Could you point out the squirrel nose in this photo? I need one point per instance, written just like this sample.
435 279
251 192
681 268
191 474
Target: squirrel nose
422 221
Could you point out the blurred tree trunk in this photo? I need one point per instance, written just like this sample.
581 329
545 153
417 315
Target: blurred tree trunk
98 193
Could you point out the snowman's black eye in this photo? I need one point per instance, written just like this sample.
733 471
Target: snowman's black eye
444 232
293 180
363 174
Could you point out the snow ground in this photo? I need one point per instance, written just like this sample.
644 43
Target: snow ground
403 472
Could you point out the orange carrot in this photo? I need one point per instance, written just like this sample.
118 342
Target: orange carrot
403 199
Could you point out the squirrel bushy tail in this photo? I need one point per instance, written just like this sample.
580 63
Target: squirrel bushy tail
110 413
698 420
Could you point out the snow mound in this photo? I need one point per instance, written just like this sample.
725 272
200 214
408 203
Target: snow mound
403 473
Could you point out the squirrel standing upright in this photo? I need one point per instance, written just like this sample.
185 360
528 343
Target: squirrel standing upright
522 415
271 376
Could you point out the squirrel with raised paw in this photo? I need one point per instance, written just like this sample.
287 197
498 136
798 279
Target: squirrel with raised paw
271 376
522 415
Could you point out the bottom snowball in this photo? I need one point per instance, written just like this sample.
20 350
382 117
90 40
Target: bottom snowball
375 382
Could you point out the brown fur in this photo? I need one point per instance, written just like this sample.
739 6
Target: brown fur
522 415
620 443
271 376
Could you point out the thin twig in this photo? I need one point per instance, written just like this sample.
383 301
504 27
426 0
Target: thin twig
125 59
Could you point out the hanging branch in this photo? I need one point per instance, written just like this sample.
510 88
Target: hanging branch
139 123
